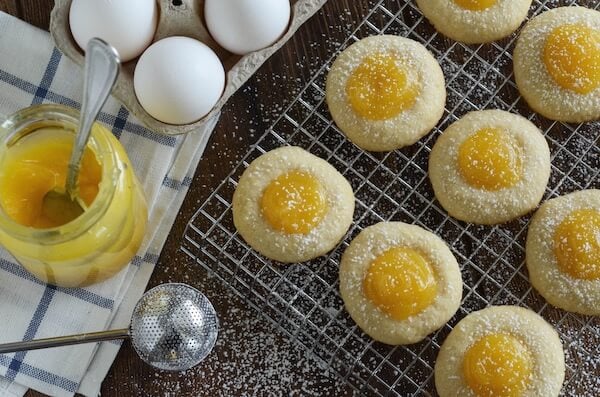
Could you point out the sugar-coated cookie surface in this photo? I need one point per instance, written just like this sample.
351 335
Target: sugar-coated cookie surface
399 282
501 351
475 21
385 92
563 252
292 206
557 64
489 167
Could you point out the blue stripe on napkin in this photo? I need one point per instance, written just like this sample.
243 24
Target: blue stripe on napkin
17 365
175 184
148 258
34 324
80 293
51 68
42 375
17 82
44 93
42 307
120 122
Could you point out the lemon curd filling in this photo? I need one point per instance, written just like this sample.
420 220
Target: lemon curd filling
400 282
577 244
572 57
475 5
379 88
36 165
498 365
490 159
294 203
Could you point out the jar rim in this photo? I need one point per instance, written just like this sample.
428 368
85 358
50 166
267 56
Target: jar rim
67 118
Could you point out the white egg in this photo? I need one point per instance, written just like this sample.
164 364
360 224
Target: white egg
127 25
178 80
243 26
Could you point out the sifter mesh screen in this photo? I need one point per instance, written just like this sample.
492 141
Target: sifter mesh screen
173 327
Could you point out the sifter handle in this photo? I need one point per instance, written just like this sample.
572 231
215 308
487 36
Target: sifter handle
64 340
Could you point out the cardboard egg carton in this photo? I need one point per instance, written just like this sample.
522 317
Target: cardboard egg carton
181 18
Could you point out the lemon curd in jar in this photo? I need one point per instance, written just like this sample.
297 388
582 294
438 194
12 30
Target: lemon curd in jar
36 144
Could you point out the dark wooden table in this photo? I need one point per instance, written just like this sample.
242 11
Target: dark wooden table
251 358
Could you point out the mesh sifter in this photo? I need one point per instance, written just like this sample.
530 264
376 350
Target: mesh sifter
303 301
173 327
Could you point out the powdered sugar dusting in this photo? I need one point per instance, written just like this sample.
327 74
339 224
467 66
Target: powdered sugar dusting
579 295
303 299
249 359
475 26
536 84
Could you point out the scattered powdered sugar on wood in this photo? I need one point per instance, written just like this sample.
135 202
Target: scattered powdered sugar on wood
250 358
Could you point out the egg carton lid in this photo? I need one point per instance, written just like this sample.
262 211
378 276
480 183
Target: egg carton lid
185 19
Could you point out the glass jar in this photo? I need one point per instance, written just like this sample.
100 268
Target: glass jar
98 243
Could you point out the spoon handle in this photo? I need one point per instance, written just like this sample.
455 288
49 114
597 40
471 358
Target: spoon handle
64 341
101 70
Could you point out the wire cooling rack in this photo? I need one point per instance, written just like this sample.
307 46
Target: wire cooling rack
302 300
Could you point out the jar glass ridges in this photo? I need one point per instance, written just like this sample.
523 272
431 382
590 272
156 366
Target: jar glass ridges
97 244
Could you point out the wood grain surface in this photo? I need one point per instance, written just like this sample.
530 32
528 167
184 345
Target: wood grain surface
10 6
250 358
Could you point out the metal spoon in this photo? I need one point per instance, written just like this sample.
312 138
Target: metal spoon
173 327
100 73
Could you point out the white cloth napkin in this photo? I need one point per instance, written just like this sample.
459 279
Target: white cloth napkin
33 71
